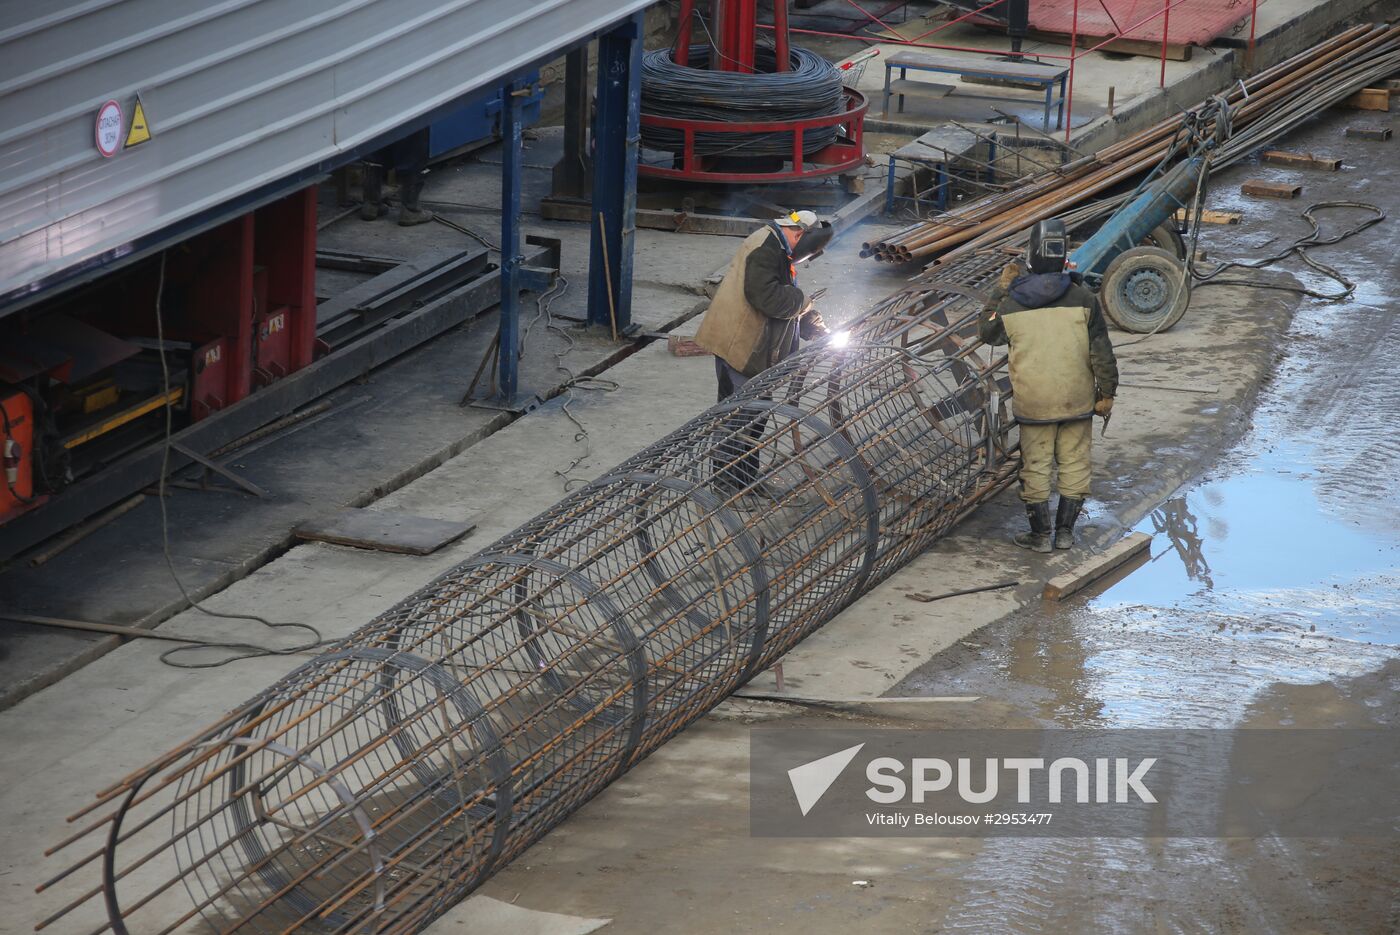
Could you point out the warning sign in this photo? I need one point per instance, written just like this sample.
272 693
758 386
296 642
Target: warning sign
140 131
108 131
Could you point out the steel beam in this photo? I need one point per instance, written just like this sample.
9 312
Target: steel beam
617 137
572 173
508 347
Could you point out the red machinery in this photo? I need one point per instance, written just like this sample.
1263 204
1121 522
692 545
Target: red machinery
80 378
733 33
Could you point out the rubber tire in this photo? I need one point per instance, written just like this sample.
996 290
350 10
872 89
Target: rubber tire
1126 264
1166 237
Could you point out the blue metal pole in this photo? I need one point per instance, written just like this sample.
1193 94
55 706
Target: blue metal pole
616 139
509 351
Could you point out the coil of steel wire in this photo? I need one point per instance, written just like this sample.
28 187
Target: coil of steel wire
811 87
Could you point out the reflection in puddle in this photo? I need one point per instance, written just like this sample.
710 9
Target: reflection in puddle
1272 598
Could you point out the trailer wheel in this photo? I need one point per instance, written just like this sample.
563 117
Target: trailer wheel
1145 289
1166 237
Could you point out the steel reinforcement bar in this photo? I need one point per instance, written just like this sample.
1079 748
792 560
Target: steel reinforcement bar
380 782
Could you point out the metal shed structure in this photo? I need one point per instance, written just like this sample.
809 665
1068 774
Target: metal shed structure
130 126
245 100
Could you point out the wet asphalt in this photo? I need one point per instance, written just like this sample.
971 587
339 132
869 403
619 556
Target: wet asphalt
1271 598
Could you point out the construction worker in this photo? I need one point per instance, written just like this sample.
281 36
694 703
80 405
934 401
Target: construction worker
1063 372
758 315
409 159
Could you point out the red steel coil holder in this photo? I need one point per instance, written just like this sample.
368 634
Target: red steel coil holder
736 26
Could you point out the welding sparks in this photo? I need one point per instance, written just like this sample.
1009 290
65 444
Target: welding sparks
839 339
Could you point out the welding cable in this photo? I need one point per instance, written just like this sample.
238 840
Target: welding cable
240 650
1300 247
574 382
811 88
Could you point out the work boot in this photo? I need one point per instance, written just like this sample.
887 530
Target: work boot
1038 539
410 189
1065 516
373 190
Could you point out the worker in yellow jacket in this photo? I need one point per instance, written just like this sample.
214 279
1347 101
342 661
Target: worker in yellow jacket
1063 372
757 317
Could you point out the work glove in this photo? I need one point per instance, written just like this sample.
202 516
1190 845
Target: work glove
811 326
1104 406
1009 274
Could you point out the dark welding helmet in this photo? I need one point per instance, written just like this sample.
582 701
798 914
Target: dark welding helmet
813 242
1049 247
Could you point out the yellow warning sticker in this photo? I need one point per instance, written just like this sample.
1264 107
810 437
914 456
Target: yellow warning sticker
140 131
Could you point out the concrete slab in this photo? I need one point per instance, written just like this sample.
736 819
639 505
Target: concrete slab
112 715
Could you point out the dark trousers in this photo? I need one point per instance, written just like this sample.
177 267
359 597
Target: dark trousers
736 462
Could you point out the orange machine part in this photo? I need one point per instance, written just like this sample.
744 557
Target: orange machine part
18 426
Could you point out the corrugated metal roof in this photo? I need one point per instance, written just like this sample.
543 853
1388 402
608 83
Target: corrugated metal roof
239 94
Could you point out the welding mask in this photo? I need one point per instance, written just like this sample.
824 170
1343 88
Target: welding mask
813 242
1049 249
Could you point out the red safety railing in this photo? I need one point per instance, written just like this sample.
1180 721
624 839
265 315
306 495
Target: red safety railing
894 37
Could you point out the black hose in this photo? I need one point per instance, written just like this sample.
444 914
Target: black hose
810 88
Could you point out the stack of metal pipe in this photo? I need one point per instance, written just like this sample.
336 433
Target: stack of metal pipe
1262 107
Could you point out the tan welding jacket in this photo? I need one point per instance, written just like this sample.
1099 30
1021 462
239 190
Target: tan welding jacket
749 337
1061 358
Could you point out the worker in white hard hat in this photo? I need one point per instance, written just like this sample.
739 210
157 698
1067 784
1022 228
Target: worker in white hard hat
759 314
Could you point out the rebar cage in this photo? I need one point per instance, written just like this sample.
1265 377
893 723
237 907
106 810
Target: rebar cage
380 782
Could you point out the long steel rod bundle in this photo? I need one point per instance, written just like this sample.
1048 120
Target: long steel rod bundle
380 782
1263 108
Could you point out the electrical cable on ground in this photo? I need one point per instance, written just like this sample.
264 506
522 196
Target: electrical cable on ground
242 650
1300 247
461 229
597 384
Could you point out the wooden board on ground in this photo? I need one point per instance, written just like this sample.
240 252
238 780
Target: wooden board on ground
1369 99
384 531
1262 189
1176 51
1211 217
1096 566
681 346
1377 134
1279 157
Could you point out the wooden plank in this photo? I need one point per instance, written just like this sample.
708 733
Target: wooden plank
1176 51
1211 217
1262 189
1096 566
561 209
681 346
1377 134
1279 157
1369 99
384 531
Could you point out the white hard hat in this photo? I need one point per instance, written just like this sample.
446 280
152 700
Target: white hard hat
806 220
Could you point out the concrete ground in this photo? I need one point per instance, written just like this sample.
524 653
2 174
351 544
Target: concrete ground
110 716
662 842
667 846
